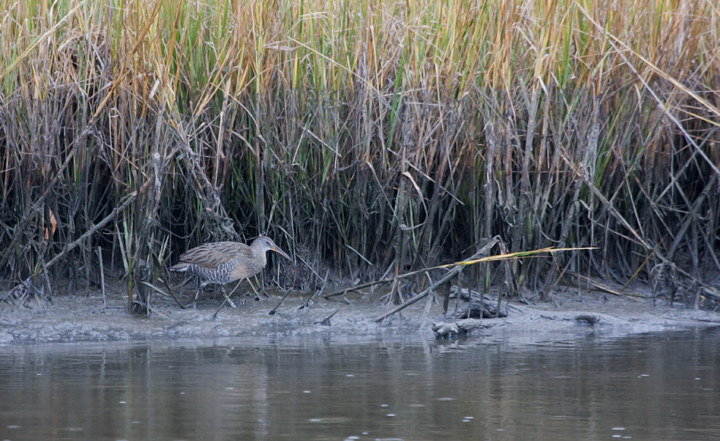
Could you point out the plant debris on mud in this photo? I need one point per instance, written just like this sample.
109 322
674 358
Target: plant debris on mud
84 317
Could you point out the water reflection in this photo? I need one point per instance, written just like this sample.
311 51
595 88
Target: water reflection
657 387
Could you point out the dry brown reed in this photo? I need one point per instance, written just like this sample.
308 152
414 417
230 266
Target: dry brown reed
379 137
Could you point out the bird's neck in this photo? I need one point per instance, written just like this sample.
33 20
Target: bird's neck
259 253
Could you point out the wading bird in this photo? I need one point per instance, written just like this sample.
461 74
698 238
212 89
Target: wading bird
225 262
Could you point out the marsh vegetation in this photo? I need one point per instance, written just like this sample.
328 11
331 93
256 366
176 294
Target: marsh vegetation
368 139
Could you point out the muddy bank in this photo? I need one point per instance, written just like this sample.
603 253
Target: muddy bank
82 317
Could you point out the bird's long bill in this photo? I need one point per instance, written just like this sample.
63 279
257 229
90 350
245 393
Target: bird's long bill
280 252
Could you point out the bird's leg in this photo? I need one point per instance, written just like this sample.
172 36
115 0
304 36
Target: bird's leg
227 299
197 294
255 291
194 303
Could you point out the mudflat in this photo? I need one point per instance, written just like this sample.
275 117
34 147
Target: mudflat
85 317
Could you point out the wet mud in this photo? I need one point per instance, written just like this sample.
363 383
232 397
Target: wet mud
84 317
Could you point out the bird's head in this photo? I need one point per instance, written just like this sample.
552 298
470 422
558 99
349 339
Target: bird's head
264 244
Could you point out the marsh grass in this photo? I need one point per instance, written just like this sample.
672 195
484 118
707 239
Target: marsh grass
375 137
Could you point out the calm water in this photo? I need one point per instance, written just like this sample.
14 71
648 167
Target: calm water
657 387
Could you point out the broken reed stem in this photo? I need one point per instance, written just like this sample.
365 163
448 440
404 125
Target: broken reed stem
471 261
274 310
102 274
452 273
99 225
475 259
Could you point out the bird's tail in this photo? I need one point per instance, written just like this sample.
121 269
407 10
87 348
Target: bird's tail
179 268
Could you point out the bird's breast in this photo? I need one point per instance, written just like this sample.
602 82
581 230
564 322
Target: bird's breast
245 269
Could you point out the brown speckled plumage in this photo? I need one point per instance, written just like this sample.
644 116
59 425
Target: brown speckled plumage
225 262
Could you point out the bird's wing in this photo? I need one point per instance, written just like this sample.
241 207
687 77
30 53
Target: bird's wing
212 255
